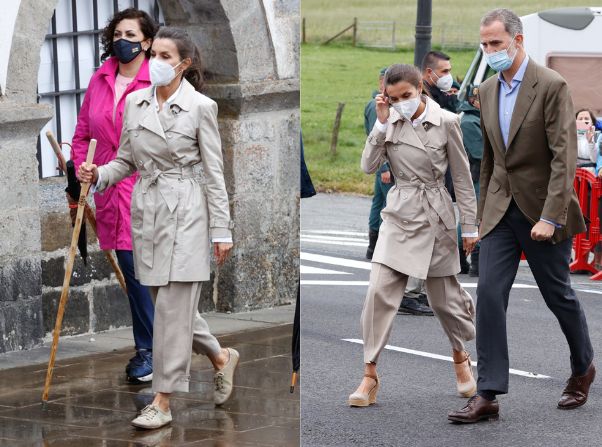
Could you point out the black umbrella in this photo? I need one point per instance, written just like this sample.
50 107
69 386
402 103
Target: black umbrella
73 191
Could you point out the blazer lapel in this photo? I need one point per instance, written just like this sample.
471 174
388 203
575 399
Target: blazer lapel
494 113
525 98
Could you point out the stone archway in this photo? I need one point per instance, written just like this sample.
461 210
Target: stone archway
251 61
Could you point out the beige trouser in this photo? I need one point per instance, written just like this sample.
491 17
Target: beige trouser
452 305
178 329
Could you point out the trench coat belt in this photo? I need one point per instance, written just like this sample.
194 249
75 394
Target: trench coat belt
423 187
148 180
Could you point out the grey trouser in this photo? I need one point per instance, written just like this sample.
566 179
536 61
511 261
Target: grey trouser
498 264
452 305
178 329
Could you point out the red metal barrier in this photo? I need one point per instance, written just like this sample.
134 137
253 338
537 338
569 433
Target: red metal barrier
588 189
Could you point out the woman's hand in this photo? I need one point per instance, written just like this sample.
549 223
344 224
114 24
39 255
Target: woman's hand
589 134
468 244
88 173
221 251
382 108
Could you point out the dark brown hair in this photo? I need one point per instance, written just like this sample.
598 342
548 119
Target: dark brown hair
147 25
403 72
432 58
591 114
187 49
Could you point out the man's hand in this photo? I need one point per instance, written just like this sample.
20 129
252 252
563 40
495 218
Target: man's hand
542 231
385 177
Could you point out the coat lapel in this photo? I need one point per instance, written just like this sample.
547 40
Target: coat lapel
181 103
494 113
525 98
148 115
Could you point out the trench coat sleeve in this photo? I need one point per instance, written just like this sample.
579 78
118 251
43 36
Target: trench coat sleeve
123 165
486 170
463 187
374 154
213 169
81 136
561 134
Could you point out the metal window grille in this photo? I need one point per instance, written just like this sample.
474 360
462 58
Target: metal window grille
69 57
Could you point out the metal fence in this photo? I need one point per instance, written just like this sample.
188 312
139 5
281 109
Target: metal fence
392 34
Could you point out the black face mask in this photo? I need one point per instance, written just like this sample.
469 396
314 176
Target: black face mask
125 50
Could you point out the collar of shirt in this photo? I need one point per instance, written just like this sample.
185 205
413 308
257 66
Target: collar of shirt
420 119
169 100
518 76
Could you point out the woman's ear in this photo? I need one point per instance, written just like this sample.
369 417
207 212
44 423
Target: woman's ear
147 44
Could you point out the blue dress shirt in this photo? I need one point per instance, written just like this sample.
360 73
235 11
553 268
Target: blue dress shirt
507 101
507 98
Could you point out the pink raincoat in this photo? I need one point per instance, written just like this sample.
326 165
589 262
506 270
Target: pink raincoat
95 120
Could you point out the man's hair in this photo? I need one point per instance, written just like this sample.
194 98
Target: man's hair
511 21
432 58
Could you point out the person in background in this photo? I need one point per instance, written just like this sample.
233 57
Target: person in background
455 88
415 301
438 80
127 40
470 123
587 152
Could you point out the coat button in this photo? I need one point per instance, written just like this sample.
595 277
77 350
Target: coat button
168 135
400 173
135 134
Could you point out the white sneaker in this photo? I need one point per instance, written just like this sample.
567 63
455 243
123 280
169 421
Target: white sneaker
151 417
223 378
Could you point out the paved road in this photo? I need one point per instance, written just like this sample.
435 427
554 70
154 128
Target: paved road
417 390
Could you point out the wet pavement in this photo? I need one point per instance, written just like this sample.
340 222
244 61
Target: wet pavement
90 403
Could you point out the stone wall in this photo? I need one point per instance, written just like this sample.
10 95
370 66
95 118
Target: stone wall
21 118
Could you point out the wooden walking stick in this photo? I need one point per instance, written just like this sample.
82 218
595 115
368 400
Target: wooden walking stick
87 211
68 271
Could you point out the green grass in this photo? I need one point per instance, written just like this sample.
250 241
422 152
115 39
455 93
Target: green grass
333 74
460 18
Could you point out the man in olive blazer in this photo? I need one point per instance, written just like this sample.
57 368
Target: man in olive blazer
527 204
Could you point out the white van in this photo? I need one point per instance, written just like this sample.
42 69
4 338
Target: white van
568 40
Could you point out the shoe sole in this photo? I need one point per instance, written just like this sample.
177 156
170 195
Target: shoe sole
405 311
359 403
140 380
572 407
487 417
149 428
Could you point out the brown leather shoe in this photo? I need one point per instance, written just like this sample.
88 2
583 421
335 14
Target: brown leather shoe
477 409
577 389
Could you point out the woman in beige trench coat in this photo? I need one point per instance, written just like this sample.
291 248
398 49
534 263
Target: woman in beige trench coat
167 129
418 235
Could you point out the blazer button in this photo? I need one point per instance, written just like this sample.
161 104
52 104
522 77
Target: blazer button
509 171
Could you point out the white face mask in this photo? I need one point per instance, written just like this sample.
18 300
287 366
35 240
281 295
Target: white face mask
444 83
407 108
161 73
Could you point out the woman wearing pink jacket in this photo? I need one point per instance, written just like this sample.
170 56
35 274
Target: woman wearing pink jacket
127 39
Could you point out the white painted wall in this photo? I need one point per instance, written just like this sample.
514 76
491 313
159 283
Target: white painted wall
8 17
